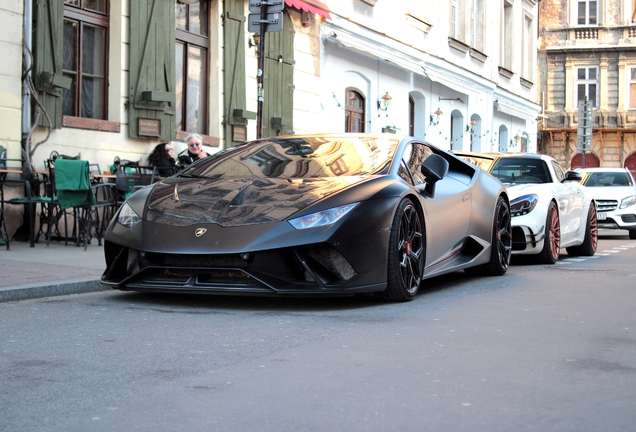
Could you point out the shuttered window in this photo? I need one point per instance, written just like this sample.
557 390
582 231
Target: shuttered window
84 58
151 97
191 60
632 87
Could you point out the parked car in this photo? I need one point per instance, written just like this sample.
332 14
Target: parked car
614 191
315 214
550 209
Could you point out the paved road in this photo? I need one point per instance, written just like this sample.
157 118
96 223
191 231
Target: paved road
544 348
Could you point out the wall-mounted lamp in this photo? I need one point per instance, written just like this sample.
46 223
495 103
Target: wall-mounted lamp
254 40
383 104
435 117
472 126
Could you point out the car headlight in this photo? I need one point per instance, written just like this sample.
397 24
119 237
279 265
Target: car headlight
326 217
127 216
523 205
629 201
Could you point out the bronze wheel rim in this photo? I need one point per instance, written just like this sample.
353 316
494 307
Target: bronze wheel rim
555 233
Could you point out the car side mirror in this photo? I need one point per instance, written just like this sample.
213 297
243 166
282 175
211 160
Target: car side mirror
573 176
434 169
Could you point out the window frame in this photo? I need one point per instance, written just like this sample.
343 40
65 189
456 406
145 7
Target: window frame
202 42
587 82
85 17
586 20
353 112
632 87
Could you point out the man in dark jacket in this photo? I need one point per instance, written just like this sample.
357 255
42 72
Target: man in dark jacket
194 152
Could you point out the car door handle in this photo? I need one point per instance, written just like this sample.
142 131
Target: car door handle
466 196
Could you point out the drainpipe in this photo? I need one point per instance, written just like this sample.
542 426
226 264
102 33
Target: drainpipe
26 93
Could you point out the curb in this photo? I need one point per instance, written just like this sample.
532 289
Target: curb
50 289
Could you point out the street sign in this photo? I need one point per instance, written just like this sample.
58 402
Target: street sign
272 6
274 22
584 131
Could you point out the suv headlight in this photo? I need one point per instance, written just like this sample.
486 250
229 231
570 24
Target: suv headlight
127 216
325 217
629 201
523 205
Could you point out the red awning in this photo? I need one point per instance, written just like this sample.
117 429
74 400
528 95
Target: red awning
312 6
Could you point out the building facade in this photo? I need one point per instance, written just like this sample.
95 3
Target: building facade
587 51
460 74
107 79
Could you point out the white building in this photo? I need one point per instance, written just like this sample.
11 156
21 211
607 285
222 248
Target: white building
460 72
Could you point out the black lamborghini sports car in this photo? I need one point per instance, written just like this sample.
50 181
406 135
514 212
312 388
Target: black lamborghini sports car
315 214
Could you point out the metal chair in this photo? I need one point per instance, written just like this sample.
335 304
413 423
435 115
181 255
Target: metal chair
93 205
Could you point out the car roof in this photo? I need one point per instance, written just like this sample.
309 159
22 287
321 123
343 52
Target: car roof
499 155
596 169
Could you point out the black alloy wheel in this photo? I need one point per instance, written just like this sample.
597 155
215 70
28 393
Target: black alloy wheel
501 246
406 254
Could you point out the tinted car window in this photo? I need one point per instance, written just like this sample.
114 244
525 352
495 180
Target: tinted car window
414 155
521 171
607 179
558 169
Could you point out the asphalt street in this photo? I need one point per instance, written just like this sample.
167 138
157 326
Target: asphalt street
543 348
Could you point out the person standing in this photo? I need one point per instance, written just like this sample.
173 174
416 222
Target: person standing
194 152
162 157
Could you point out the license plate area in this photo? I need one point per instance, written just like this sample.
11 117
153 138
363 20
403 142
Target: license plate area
601 216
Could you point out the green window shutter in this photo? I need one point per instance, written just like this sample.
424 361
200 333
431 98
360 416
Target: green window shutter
151 110
234 61
278 81
48 49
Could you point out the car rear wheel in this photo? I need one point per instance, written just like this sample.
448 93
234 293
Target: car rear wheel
407 247
501 246
552 241
590 242
632 234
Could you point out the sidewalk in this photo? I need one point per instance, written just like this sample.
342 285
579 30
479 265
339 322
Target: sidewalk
27 272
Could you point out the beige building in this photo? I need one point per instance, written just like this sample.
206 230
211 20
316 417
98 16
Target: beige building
587 49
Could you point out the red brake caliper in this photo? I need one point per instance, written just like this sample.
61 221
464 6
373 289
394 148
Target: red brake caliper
407 248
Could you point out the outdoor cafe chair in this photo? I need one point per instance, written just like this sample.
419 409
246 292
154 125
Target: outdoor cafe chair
93 205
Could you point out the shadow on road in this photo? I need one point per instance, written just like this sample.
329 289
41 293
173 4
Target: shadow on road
280 303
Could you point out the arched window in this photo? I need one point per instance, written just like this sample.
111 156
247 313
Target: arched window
354 112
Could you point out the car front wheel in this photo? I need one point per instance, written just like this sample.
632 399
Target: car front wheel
407 247
552 241
590 242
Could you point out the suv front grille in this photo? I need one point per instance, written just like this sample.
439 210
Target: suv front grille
606 205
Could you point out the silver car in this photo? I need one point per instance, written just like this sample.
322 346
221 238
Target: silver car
614 190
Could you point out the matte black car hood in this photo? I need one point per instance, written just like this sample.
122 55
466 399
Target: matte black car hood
234 202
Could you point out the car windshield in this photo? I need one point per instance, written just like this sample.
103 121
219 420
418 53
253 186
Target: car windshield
481 162
607 179
521 171
300 157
